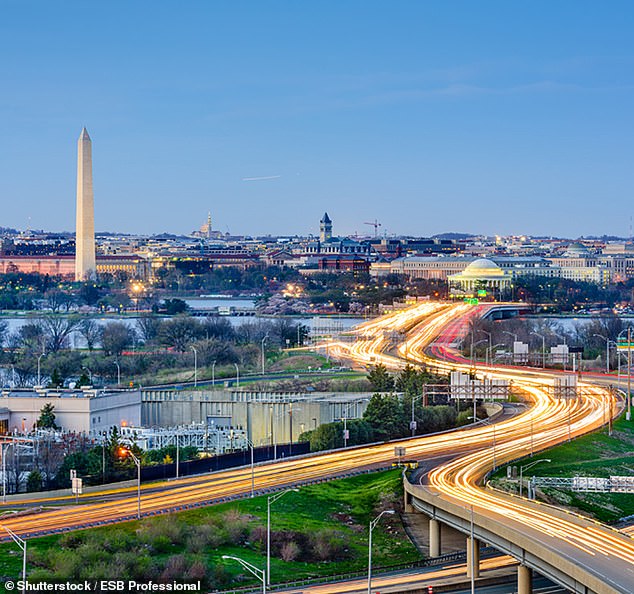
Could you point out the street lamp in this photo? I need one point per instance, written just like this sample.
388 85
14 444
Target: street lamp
39 359
607 351
526 467
250 443
237 375
258 573
22 544
345 420
490 352
271 499
510 334
473 345
373 524
213 375
628 414
195 366
543 348
123 452
118 373
263 360
5 446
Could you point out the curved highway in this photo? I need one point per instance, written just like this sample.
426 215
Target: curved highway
606 555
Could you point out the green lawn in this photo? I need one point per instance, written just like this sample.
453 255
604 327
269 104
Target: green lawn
331 517
596 454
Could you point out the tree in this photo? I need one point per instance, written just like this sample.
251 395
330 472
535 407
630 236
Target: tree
56 379
149 327
4 332
116 337
90 331
34 481
380 379
174 307
57 329
387 417
409 381
216 350
179 332
47 417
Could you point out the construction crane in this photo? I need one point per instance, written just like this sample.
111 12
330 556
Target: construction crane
376 226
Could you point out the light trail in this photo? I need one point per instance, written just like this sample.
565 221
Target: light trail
428 328
549 421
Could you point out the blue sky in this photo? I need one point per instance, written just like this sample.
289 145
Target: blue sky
482 117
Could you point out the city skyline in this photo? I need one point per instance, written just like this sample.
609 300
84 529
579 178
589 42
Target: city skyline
430 119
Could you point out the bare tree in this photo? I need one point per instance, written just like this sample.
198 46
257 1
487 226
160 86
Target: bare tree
90 331
57 329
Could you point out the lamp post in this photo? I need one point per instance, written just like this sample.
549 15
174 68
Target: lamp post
258 573
473 345
123 452
345 420
250 443
22 544
489 334
472 543
178 457
563 337
263 359
195 366
607 351
510 334
5 447
271 499
490 352
237 375
526 467
118 373
213 375
39 359
373 524
543 348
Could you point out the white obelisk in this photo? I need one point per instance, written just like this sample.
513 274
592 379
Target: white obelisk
85 264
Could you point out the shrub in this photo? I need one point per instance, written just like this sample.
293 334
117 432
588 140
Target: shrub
290 551
174 568
329 545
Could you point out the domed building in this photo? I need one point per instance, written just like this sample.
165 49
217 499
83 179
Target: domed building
482 275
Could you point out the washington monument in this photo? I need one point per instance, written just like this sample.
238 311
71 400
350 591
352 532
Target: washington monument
85 264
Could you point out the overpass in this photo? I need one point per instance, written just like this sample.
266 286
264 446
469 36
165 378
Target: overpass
583 556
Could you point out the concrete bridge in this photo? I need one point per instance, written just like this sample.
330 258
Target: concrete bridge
558 558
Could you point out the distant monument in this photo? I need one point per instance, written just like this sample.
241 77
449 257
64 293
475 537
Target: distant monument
85 261
325 228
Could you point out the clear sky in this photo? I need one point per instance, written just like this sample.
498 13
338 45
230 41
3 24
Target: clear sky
477 116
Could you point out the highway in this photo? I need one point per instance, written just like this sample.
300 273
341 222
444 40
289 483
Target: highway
429 328
606 555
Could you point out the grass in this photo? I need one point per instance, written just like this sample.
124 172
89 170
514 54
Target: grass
340 510
596 454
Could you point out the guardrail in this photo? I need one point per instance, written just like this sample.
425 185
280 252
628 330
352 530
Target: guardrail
341 577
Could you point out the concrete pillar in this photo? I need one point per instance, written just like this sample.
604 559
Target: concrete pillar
524 580
473 564
408 508
434 538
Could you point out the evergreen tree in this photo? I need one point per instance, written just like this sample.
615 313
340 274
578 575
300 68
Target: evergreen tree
380 379
47 417
56 379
